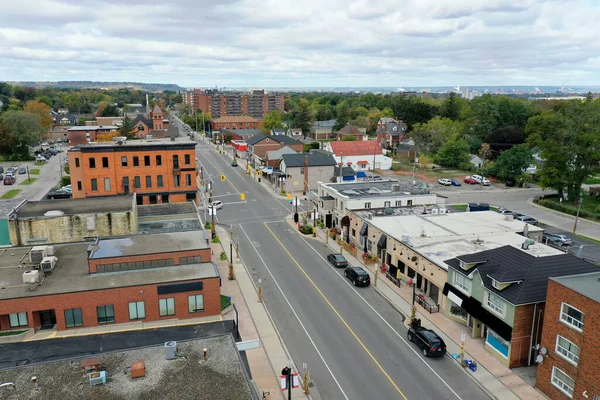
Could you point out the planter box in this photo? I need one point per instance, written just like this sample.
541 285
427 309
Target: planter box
17 338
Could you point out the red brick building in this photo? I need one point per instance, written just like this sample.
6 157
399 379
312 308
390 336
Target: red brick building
84 134
147 277
570 367
159 171
235 122
390 132
256 103
258 145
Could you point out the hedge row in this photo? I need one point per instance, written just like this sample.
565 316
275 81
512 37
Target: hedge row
567 209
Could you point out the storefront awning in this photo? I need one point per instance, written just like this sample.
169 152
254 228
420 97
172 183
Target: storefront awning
362 162
348 178
382 243
361 174
364 231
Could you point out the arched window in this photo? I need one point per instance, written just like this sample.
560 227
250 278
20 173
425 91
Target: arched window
140 127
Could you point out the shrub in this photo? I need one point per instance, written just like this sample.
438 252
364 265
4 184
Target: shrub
207 225
466 166
67 169
65 180
216 240
566 208
223 256
306 229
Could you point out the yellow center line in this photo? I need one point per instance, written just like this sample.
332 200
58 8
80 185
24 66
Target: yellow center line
337 313
220 171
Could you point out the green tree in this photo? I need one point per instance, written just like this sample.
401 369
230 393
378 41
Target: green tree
110 110
272 120
46 100
342 117
429 137
453 153
375 115
81 120
450 107
512 163
127 129
26 127
7 139
302 116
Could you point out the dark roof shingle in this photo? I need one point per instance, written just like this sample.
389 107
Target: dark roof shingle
299 160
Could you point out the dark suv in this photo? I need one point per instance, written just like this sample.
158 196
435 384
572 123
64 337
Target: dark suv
337 260
358 276
430 343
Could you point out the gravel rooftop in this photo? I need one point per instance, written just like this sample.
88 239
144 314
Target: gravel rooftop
221 377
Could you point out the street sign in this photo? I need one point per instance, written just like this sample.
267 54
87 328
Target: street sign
295 381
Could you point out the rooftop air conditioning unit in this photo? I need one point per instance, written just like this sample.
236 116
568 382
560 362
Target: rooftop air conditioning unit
97 378
170 350
49 251
443 211
395 188
48 264
369 215
435 211
37 254
149 138
31 276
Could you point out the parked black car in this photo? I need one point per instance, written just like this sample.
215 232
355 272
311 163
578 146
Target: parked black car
59 194
428 341
337 260
358 276
1 170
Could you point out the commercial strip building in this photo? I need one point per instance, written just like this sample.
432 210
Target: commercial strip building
256 103
302 172
159 171
235 122
569 348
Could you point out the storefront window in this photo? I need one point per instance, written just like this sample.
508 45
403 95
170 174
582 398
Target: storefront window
457 311
497 343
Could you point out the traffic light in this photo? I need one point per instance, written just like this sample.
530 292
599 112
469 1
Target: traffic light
243 196
222 178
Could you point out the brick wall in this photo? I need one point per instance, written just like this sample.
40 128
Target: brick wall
204 254
587 371
119 298
521 335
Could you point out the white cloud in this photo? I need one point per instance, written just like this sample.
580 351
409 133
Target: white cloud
303 43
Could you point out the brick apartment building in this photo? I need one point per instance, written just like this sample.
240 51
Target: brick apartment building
160 276
256 103
570 366
159 171
239 122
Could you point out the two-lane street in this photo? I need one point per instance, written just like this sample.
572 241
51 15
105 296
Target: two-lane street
353 341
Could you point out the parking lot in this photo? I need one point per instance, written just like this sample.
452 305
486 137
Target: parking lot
48 177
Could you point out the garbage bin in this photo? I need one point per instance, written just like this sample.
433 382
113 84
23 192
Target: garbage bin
473 366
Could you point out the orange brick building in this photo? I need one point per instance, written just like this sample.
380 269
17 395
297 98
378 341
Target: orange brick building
158 171
235 122
174 278
570 366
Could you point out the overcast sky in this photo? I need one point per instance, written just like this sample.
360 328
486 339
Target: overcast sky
303 43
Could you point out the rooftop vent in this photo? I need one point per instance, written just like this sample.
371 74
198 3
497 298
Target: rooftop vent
527 243
53 213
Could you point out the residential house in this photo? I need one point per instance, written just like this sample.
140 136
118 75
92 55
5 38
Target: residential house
568 351
304 171
142 125
65 120
235 122
322 130
503 293
273 157
277 131
351 131
476 161
63 110
295 133
258 145
364 155
407 150
390 132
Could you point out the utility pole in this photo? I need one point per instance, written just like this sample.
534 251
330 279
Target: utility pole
341 166
413 310
577 217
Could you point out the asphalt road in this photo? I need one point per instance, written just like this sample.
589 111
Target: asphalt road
352 340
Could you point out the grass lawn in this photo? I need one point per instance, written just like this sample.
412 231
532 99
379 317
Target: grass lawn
11 333
34 171
593 180
590 204
588 238
28 181
38 163
225 302
10 194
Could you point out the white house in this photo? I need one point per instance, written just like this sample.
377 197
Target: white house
360 155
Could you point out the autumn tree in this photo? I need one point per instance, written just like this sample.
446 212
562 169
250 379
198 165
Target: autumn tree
107 136
41 109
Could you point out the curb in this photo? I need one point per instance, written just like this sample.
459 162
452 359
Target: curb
531 203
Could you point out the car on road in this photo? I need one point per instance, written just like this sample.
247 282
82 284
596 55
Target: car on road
558 239
445 181
22 171
40 158
469 180
217 205
455 182
358 276
428 341
527 220
9 180
337 260
234 163
59 194
485 182
374 178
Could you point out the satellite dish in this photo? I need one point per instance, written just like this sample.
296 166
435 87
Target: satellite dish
539 359
543 351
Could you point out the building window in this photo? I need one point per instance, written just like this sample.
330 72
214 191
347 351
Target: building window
166 307
398 203
495 303
367 205
159 160
148 182
567 349
409 203
187 159
18 319
571 316
107 184
462 282
188 179
126 185
497 343
176 161
137 310
124 161
196 303
147 161
77 162
495 284
141 128
159 181
104 162
562 381
73 318
136 161
106 314
177 180
79 185
302 170
94 185
137 183
386 204
92 162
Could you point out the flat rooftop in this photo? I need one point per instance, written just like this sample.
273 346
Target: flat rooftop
91 205
587 285
370 189
71 273
148 244
92 127
221 377
150 210
183 140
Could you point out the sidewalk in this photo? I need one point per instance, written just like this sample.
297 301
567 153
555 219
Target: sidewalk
255 322
492 376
